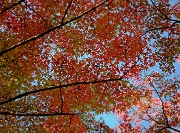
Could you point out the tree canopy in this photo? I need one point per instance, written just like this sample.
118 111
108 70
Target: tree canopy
62 62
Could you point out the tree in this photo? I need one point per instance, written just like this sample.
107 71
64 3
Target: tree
62 62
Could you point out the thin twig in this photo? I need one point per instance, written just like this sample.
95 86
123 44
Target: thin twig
162 104
69 5
36 13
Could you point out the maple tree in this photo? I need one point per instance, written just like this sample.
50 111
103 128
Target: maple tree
64 61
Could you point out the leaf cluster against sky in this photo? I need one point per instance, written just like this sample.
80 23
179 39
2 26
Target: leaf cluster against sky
64 61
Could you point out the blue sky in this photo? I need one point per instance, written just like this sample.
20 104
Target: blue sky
109 119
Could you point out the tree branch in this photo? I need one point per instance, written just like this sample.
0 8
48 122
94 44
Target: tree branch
160 28
50 30
177 21
66 85
153 118
161 129
35 114
168 128
174 129
7 8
